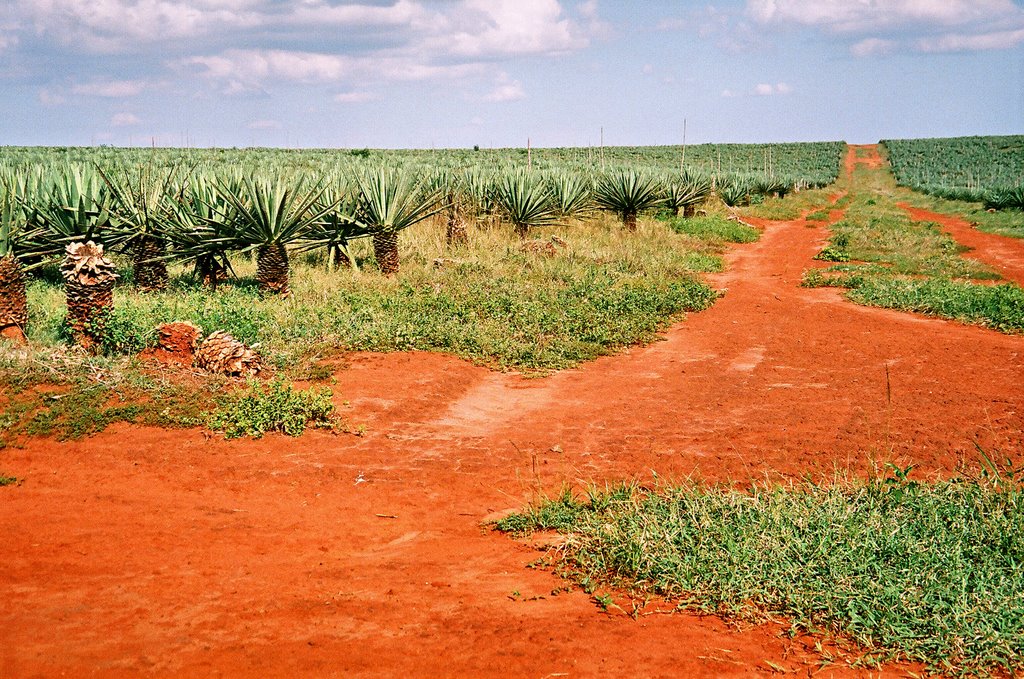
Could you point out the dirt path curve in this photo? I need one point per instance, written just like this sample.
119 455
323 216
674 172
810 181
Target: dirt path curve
149 552
1003 253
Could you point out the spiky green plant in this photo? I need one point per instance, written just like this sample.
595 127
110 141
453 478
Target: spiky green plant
73 207
734 192
142 202
686 191
271 213
525 201
201 228
572 194
627 193
391 200
339 225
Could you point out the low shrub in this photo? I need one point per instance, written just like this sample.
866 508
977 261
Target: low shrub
274 406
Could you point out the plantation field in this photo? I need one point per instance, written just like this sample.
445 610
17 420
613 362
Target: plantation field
985 170
816 370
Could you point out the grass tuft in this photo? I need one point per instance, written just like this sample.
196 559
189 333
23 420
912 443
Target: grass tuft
273 406
906 570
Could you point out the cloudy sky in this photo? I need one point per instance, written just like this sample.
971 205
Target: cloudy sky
454 73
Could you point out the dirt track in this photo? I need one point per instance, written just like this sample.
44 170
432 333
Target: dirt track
143 551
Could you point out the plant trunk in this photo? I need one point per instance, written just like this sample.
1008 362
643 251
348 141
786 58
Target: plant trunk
521 230
148 265
385 250
272 269
629 221
13 301
210 271
689 210
456 233
339 258
89 279
89 305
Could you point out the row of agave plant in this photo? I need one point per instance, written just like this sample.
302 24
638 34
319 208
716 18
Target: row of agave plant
155 216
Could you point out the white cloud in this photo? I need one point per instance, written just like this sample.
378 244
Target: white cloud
509 27
889 25
873 46
48 98
953 42
354 97
867 15
506 90
761 90
245 70
119 25
124 120
251 70
768 89
114 89
402 13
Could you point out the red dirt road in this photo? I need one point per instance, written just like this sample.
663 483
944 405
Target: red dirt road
162 553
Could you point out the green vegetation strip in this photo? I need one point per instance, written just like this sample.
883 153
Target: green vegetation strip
928 572
488 301
888 260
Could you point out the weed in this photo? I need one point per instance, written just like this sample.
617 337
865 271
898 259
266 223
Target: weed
833 254
276 406
7 480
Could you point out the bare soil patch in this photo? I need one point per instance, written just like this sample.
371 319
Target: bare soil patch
166 553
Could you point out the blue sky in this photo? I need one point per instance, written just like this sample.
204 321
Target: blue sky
454 73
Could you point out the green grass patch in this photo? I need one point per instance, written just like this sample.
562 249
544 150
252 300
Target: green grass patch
715 228
996 306
68 395
273 406
907 265
818 216
922 571
7 480
488 302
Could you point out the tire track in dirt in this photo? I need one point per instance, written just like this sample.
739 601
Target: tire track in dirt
150 552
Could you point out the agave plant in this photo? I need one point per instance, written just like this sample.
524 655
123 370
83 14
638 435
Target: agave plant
269 214
686 191
478 191
572 194
627 192
734 192
772 186
391 201
13 299
73 207
1005 199
525 201
142 205
201 229
338 226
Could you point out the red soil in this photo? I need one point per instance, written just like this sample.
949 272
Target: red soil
166 553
